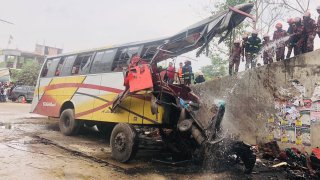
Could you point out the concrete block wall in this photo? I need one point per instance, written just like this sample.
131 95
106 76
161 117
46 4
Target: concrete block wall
271 102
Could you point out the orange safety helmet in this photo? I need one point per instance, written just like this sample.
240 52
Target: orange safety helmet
279 25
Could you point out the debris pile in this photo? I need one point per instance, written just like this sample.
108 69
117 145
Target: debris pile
297 164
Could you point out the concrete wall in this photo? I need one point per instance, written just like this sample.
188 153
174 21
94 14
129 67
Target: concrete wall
273 102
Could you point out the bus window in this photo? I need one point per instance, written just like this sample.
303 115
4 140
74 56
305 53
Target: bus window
123 56
59 68
66 68
85 64
52 67
149 52
80 64
45 68
102 62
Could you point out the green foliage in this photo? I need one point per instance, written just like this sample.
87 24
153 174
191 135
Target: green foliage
219 53
14 74
217 68
28 74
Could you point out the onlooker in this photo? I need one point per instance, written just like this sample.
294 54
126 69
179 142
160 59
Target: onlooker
277 36
309 32
254 46
200 78
170 73
2 96
179 74
234 59
267 54
187 73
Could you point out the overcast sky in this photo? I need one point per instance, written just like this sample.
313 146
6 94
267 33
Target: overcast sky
83 24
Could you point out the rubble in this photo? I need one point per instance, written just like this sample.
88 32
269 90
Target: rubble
296 164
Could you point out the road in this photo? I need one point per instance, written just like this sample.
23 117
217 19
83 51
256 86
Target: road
31 147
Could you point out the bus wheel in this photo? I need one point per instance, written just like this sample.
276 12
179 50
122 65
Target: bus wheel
67 124
105 129
124 142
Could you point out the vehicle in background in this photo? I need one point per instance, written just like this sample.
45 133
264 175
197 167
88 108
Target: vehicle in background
20 92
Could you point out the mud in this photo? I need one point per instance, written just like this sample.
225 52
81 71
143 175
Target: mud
31 147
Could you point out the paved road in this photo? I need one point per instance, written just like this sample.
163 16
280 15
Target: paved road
31 147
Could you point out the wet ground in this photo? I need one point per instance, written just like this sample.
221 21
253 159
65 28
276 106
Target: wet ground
31 147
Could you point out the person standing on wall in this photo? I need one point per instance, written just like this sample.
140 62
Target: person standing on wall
244 48
290 42
267 54
234 59
278 36
254 47
309 25
298 36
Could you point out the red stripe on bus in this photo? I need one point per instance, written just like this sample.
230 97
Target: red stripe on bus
81 85
93 110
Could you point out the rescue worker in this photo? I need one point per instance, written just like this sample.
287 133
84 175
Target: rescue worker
298 36
187 73
244 46
290 42
309 25
278 35
318 23
234 59
200 78
254 47
267 55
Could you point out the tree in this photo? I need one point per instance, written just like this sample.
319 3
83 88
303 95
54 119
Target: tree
28 74
219 53
217 68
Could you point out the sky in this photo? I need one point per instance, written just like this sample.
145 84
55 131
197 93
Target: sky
78 25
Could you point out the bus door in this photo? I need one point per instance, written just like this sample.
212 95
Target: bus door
47 102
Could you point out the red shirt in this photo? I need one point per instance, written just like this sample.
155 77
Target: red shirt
170 72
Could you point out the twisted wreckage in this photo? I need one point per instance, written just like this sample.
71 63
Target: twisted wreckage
174 107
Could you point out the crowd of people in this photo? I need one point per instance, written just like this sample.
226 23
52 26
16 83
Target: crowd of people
5 90
182 75
298 38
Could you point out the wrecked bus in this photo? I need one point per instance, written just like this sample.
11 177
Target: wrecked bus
119 88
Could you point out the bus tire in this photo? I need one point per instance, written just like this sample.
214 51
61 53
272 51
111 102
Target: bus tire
105 129
68 124
124 142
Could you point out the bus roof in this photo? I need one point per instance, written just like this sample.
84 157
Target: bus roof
195 36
